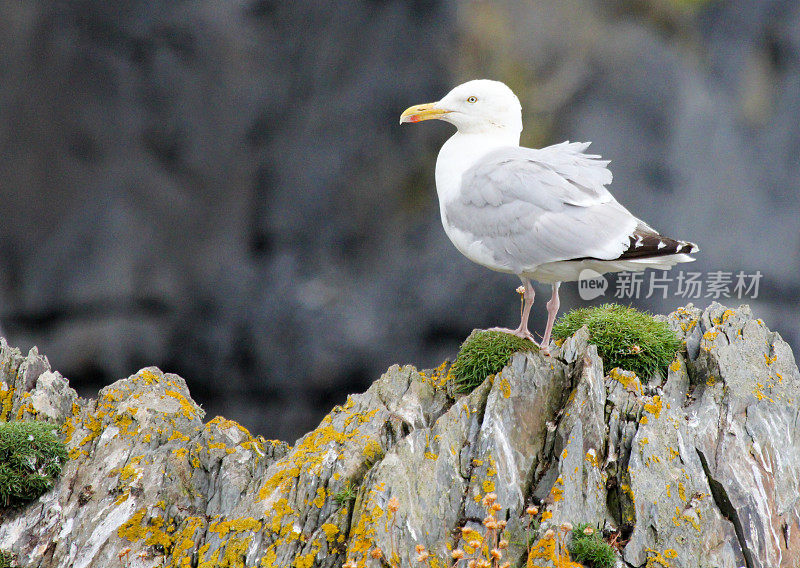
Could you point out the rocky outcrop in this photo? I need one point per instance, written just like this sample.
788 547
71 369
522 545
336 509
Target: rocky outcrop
698 468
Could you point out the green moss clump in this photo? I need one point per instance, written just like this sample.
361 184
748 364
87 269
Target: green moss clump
587 547
485 353
31 458
625 338
7 560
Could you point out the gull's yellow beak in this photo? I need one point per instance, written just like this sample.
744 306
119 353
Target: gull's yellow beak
418 113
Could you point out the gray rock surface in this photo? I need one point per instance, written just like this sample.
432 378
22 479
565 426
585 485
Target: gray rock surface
698 469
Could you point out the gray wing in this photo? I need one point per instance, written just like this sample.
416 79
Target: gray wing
525 207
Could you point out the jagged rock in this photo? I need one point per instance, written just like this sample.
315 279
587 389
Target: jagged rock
697 469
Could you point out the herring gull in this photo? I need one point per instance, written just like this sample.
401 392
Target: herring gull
542 214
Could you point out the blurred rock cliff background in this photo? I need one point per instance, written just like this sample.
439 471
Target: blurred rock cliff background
222 189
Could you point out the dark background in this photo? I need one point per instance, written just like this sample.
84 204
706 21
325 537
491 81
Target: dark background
222 189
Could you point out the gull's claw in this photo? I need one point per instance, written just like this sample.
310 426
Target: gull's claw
523 333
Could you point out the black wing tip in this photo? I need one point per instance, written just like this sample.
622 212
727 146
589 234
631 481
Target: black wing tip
646 243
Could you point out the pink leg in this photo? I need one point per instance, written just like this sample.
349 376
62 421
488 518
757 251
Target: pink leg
522 330
552 310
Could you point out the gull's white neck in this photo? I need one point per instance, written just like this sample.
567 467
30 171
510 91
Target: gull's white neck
460 152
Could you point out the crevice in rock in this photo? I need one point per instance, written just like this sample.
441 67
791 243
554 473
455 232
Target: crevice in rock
455 532
618 500
548 456
723 502
351 507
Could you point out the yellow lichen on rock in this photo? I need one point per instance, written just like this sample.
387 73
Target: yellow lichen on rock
550 548
654 407
187 409
628 379
6 400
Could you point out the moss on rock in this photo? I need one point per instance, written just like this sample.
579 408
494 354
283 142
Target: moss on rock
588 548
31 458
625 337
485 353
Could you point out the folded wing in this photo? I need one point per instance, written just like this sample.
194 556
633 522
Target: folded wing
523 207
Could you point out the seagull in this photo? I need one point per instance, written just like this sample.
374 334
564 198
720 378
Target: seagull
542 214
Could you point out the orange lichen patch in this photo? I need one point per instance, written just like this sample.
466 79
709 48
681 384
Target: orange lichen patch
6 400
680 518
225 424
710 335
131 469
591 457
309 454
68 428
654 407
306 560
628 491
655 558
148 377
234 555
372 451
183 545
491 471
360 417
331 532
364 531
675 365
557 491
682 491
279 510
488 486
125 422
177 435
550 548
769 389
26 408
439 377
505 387
222 528
187 409
319 500
135 529
92 423
628 379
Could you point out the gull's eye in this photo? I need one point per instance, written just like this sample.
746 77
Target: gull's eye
472 100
